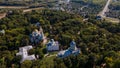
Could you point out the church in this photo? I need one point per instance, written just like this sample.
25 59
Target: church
37 36
52 45
72 50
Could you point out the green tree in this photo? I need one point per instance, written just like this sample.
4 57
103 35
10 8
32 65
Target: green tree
116 64
26 64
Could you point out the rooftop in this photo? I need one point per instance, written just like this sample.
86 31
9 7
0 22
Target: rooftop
23 51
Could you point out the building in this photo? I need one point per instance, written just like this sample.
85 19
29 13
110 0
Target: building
72 50
58 8
2 31
37 24
64 1
37 36
52 45
98 17
63 5
23 51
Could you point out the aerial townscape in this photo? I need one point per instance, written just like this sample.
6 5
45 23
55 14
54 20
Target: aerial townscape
59 33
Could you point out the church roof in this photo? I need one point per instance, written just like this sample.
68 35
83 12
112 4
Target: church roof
72 43
69 51
52 43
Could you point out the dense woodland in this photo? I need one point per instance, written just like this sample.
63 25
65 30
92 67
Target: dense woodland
98 40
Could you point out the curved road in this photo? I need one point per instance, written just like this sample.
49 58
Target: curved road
25 9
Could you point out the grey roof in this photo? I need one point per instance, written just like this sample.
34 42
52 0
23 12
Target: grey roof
72 50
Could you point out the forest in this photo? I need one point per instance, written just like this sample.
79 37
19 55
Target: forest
98 40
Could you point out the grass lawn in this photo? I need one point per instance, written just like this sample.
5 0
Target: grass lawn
48 62
113 20
100 2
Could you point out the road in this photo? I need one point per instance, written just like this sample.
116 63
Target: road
105 9
103 15
13 7
83 7
30 9
25 9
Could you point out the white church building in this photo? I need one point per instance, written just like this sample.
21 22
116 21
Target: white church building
23 51
2 31
72 50
52 45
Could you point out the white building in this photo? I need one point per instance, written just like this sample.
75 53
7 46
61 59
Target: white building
64 1
72 50
52 45
58 8
2 31
23 51
62 5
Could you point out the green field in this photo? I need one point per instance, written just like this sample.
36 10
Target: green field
47 62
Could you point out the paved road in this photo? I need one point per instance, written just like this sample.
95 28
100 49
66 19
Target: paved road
26 9
105 9
13 7
30 9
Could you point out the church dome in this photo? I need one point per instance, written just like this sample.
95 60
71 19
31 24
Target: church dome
36 30
73 43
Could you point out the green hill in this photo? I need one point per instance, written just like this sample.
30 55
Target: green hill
99 40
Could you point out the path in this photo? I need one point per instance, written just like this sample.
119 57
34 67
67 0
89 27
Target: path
25 9
105 9
13 7
2 15
47 55
30 9
83 7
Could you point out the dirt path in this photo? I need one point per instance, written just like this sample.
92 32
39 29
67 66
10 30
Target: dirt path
2 15
47 55
26 9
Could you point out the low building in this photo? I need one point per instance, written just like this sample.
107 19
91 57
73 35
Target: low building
98 17
2 31
23 51
72 50
37 24
64 1
52 45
